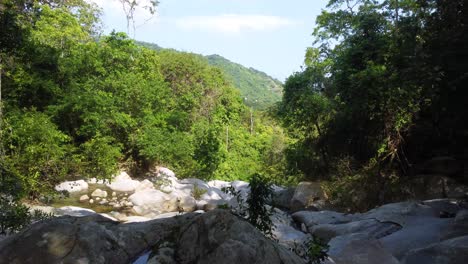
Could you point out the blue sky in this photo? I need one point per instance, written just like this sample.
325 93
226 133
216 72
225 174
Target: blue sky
269 35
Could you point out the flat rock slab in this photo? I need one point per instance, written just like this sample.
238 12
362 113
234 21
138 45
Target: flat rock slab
359 248
453 251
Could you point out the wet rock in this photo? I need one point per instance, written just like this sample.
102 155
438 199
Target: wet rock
307 196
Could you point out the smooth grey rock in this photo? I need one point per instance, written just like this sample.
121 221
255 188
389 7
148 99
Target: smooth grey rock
89 239
420 234
213 237
123 183
462 216
457 227
310 218
282 198
404 213
150 201
453 251
220 237
306 196
371 227
359 248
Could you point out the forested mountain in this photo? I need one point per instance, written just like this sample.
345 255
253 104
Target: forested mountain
148 45
258 89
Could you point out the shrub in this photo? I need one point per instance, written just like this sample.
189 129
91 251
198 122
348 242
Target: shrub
258 213
316 250
198 192
101 156
255 209
36 151
13 216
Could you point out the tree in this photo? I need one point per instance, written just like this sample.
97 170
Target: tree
130 6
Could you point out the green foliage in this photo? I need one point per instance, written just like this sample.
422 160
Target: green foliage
259 90
13 216
83 105
316 250
254 208
372 91
36 151
198 192
100 157
258 214
207 152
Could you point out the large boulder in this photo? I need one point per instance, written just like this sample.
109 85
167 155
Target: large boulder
72 186
89 239
417 234
308 196
359 248
282 198
220 237
214 237
453 251
123 183
150 202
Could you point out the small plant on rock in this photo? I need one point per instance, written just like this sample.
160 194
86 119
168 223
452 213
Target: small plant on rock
316 250
198 192
255 209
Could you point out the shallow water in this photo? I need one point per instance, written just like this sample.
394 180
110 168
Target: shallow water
74 200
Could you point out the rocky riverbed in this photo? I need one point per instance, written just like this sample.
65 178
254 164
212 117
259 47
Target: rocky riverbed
178 223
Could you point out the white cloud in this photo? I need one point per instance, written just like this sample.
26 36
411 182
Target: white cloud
233 23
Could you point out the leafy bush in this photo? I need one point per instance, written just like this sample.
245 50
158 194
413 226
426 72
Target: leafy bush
258 214
198 192
255 209
13 216
36 151
316 250
101 156
346 189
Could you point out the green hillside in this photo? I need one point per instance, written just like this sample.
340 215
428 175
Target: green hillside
257 88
